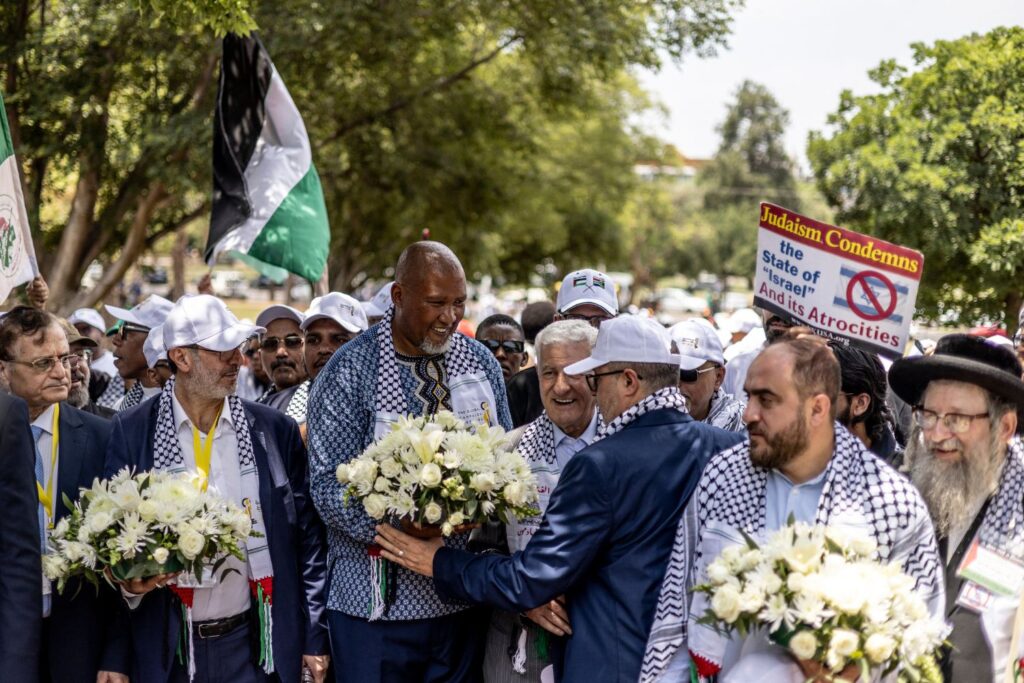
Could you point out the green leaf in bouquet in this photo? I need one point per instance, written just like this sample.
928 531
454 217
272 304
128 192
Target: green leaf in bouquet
68 503
782 636
144 482
748 539
127 570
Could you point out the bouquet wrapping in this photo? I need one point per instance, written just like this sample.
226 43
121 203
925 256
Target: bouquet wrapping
141 525
433 470
819 592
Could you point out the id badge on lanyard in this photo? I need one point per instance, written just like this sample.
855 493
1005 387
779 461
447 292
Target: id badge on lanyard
989 573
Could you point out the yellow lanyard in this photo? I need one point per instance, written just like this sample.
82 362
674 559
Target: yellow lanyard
46 494
203 451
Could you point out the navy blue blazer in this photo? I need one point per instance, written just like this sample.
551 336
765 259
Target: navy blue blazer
83 634
21 595
295 535
605 543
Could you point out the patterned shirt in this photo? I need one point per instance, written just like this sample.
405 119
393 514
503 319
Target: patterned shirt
341 426
725 412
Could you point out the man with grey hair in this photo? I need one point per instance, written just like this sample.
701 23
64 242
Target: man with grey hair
967 459
607 534
410 363
567 425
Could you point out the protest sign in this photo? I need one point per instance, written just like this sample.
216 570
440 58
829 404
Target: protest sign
840 283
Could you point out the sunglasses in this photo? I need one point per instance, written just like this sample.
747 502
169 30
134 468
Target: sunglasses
292 341
508 345
690 376
594 320
123 328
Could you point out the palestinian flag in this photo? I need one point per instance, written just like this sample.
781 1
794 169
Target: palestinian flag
17 255
268 206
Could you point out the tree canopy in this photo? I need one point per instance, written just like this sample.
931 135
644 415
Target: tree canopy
935 161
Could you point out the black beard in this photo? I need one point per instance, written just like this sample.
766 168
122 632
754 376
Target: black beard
781 447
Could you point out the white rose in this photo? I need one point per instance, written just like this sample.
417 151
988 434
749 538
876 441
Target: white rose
381 485
879 647
391 468
864 546
375 505
362 472
147 509
795 582
99 521
447 529
483 482
718 572
803 645
725 603
844 642
160 555
515 493
432 513
456 518
342 473
430 475
191 543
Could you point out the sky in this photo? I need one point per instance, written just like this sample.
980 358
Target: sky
806 52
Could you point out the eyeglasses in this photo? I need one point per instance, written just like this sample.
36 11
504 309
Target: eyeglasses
43 365
123 328
250 352
162 365
224 356
957 423
508 345
594 320
594 376
292 341
691 376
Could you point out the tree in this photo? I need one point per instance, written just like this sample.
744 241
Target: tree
935 161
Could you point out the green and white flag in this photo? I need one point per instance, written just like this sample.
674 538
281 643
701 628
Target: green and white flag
17 255
268 206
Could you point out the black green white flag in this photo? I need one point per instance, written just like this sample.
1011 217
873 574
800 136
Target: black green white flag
17 255
268 206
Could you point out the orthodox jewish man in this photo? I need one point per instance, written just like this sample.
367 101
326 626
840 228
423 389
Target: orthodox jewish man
609 526
968 462
263 621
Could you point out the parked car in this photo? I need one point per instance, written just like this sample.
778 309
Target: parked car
229 284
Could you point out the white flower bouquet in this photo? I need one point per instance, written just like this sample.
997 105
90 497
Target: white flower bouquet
434 472
819 592
143 525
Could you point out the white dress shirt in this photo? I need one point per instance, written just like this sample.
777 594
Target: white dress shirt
566 446
45 446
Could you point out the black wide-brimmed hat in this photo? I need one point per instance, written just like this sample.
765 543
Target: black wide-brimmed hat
963 358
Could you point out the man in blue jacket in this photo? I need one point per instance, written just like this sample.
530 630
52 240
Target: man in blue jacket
608 532
254 456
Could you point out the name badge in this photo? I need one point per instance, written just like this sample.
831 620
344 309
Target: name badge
206 579
994 571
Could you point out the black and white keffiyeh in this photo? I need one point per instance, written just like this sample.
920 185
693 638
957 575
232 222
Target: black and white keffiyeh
859 491
669 397
726 412
132 397
1003 526
299 402
538 441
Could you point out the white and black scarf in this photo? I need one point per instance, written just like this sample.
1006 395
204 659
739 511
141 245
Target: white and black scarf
1003 526
167 456
132 397
725 412
669 397
860 490
299 402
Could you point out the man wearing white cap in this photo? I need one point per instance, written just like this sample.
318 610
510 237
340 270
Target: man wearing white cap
701 371
129 337
587 295
281 351
606 537
264 620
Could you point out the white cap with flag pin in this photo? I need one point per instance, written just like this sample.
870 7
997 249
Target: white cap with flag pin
625 339
587 286
204 320
341 308
149 314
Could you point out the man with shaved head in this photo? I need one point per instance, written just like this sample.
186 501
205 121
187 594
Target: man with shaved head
412 362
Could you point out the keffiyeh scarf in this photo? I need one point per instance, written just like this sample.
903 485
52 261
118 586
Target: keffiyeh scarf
132 397
298 403
859 491
726 412
1003 526
669 397
167 456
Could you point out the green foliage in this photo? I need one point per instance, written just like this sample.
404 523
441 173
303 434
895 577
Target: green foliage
936 161
221 16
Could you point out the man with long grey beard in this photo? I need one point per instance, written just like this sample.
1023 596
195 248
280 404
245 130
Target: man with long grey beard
410 363
966 458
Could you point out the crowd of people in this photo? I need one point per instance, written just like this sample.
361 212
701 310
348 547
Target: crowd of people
654 449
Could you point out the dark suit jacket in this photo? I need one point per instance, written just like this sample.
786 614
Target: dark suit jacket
82 634
279 400
21 595
605 542
524 404
295 535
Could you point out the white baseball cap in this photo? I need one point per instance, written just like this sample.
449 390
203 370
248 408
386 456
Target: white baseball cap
150 313
627 338
379 304
744 320
89 316
587 287
153 348
341 308
696 342
204 320
272 313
